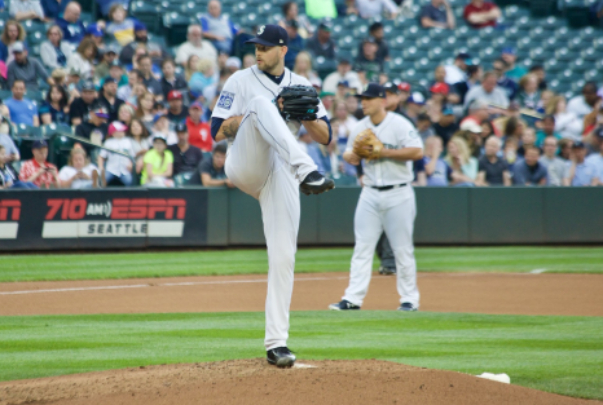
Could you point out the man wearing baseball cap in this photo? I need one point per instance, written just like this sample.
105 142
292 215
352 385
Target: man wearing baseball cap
367 60
582 172
187 157
456 72
26 68
176 111
109 99
38 170
95 128
199 131
321 44
81 106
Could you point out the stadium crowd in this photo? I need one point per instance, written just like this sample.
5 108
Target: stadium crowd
149 107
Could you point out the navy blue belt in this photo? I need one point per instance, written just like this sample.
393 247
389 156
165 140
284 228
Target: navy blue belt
385 188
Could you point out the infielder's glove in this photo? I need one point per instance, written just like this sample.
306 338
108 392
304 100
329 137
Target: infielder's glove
299 103
367 145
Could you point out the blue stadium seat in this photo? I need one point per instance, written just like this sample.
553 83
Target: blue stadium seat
591 75
23 131
410 53
590 55
399 43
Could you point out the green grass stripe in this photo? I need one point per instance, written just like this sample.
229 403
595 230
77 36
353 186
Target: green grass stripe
556 354
254 261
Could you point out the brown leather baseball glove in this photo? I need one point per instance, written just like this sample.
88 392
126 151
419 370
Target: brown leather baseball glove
367 145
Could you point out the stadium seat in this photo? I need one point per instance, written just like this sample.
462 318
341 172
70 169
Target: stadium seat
176 27
148 14
48 131
591 75
23 131
60 148
410 53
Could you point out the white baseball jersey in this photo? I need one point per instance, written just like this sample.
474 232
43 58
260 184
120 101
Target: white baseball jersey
395 132
246 84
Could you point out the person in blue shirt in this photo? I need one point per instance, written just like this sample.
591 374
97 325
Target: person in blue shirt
22 110
219 29
73 28
296 44
581 172
53 9
437 170
529 171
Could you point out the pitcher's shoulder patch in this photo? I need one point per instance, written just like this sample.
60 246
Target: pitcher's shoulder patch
226 99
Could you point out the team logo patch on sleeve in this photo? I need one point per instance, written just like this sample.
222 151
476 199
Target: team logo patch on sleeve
226 99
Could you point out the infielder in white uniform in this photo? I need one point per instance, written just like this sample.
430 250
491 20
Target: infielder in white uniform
265 161
387 201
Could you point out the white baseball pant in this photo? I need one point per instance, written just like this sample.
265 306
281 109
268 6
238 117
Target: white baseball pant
393 211
266 162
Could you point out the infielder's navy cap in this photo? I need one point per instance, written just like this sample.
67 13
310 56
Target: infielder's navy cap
270 35
373 90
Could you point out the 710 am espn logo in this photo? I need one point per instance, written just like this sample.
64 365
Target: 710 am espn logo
10 212
125 217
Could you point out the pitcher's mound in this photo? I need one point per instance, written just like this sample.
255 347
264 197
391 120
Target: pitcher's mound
255 382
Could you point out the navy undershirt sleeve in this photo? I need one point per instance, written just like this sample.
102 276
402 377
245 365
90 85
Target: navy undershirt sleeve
326 119
216 123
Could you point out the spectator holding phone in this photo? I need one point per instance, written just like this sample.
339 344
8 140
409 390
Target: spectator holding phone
38 170
79 172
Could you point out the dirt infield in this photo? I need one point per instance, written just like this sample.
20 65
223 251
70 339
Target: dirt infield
502 293
255 382
328 382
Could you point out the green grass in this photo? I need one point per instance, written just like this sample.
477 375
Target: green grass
555 354
225 262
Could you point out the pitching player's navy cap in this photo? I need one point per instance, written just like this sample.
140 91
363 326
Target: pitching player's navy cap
270 35
373 90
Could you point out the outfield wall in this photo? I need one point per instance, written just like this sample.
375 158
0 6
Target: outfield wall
198 217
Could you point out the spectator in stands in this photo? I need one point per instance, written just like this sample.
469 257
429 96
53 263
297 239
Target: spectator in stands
547 130
108 98
79 172
170 80
81 106
145 65
529 171
94 32
26 10
446 125
513 71
478 113
197 46
38 170
95 128
73 28
567 123
500 67
424 127
105 5
346 123
459 90
22 110
457 72
126 92
480 14
118 167
144 109
12 152
212 171
27 69
344 72
125 114
53 9
414 106
367 60
377 32
55 52
296 43
529 95
437 14
539 72
584 104
461 163
373 9
13 33
488 91
581 172
303 67
8 176
557 168
437 170
139 136
291 13
199 132
56 107
439 98
82 60
177 113
321 44
353 106
493 170
203 77
596 160
187 157
218 28
121 27
158 164
161 126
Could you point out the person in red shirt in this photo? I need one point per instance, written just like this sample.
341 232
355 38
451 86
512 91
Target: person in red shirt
480 14
199 132
37 170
